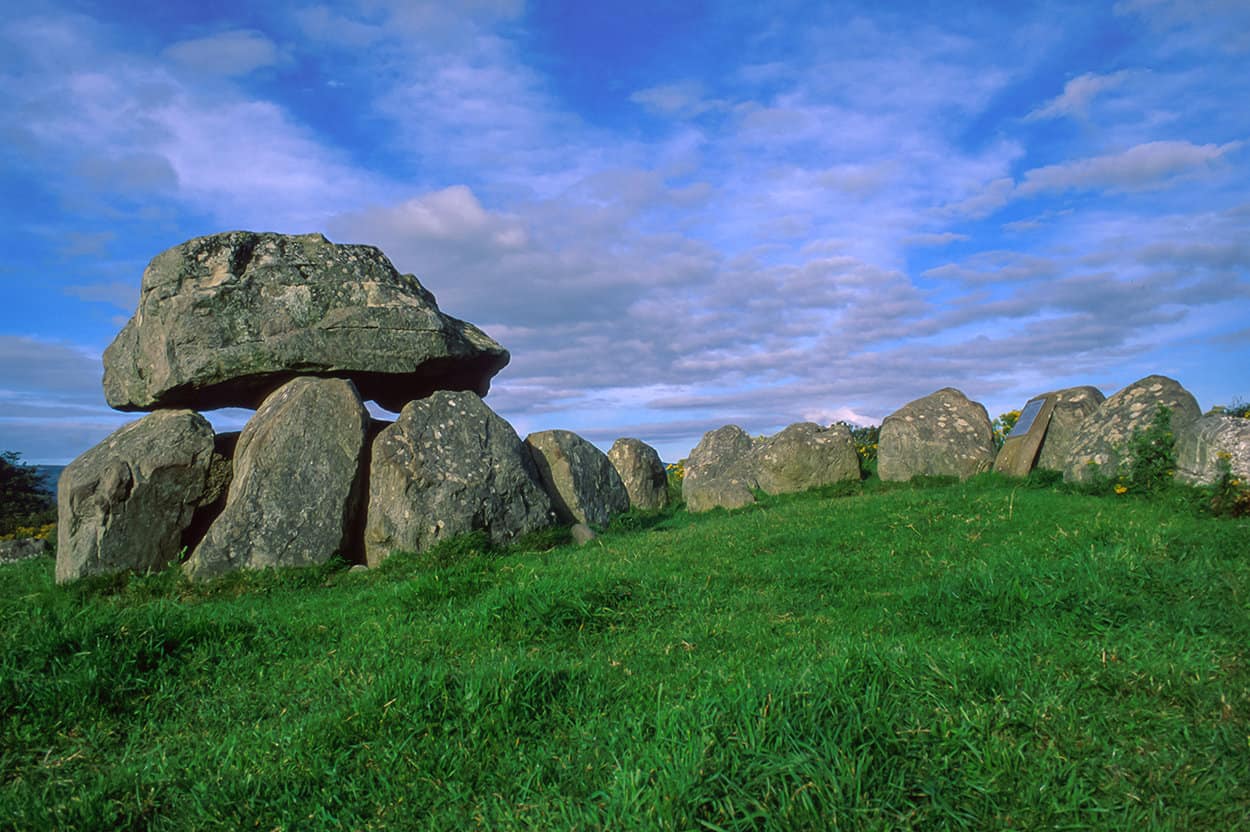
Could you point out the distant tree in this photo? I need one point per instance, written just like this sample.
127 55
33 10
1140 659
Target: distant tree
24 499
1003 425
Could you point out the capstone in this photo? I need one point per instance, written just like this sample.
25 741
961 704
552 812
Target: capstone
225 320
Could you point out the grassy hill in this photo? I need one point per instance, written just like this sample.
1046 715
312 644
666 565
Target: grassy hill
962 656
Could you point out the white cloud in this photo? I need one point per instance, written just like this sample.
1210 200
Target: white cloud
1145 166
233 53
1077 96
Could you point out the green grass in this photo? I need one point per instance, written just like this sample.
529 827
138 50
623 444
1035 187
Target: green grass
960 656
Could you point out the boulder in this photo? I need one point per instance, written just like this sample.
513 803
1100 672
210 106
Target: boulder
1201 443
127 503
942 434
803 456
227 319
23 548
447 466
579 478
296 491
1103 436
719 472
642 473
1071 407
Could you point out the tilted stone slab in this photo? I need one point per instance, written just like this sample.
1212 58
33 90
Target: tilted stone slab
127 503
1103 437
296 495
942 434
720 471
447 466
805 455
225 320
1072 405
642 473
1200 444
583 485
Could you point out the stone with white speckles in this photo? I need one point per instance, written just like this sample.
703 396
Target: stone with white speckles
942 434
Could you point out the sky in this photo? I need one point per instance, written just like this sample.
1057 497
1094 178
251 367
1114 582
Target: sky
675 216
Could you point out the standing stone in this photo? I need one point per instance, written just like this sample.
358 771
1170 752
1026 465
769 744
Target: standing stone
642 472
719 472
448 466
1200 444
942 434
296 490
1103 437
126 503
583 485
805 455
227 319
1072 405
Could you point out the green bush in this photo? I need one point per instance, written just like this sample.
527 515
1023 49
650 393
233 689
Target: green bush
1150 461
26 505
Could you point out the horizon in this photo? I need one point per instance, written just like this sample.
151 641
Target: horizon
673 218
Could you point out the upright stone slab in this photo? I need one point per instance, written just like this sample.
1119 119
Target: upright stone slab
126 503
296 496
1022 445
942 434
579 478
447 466
1201 443
642 473
805 455
1100 441
720 471
227 319
1072 405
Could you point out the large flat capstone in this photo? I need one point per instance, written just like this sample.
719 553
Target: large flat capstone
225 320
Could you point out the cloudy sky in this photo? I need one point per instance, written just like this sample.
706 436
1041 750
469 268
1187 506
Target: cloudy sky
674 215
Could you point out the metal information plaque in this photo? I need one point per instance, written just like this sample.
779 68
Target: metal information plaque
1027 417
1019 451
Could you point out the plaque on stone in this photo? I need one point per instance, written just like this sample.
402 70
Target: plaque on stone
1018 454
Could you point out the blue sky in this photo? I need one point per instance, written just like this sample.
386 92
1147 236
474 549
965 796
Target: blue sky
674 215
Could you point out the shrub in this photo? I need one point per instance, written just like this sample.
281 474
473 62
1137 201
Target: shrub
1150 461
25 503
1003 425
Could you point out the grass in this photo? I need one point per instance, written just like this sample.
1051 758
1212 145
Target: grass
958 656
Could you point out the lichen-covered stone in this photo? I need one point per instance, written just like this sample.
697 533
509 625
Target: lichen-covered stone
23 548
805 455
450 465
1200 444
225 320
127 503
1099 443
942 434
720 472
1072 405
583 485
642 472
296 492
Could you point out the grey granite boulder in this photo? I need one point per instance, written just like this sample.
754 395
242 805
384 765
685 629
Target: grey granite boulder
1072 405
127 503
227 319
1099 443
642 473
447 466
1201 443
805 455
720 471
579 478
22 548
296 493
942 434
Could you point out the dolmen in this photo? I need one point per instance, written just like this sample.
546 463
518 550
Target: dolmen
304 331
